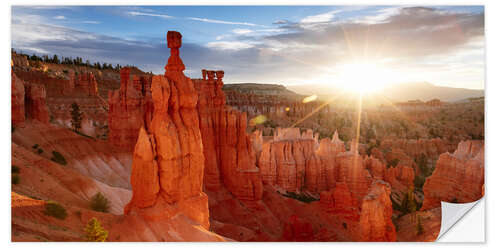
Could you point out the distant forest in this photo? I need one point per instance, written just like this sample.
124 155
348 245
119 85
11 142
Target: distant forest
78 61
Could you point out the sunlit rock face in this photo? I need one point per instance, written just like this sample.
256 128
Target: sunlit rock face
230 160
341 201
289 161
168 163
400 177
376 211
17 101
458 177
130 108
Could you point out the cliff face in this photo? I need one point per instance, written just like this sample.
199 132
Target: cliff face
85 82
289 161
376 211
35 102
229 154
130 107
458 177
17 101
168 163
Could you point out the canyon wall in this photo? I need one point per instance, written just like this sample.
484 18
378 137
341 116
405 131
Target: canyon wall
229 155
458 177
29 101
17 101
376 212
130 108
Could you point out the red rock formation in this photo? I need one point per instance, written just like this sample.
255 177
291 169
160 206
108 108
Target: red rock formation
17 101
87 82
341 201
19 61
167 170
376 212
229 153
350 169
35 102
129 109
289 161
69 85
458 177
326 152
377 168
400 177
431 148
297 229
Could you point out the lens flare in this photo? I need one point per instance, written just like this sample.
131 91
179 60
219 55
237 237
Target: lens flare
310 99
258 120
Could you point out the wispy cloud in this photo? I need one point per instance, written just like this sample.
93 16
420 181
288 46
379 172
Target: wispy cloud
206 20
229 45
91 22
320 18
59 17
137 13
281 21
242 31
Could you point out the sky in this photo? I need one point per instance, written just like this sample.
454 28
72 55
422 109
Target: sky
290 45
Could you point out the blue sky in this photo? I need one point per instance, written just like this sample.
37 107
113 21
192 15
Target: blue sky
269 44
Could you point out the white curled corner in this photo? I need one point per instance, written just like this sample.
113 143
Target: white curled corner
452 213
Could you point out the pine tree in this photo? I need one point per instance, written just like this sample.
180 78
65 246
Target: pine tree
76 117
94 232
412 204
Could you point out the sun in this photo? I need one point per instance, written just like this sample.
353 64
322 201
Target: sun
362 77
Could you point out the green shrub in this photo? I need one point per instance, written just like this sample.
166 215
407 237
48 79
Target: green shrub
15 179
55 210
99 203
59 158
15 169
39 151
35 146
94 232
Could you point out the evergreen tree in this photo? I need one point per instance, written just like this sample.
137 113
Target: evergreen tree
76 117
94 232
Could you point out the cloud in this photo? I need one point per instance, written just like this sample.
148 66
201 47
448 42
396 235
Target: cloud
229 45
419 42
137 13
282 21
242 31
91 22
59 17
407 32
221 22
206 20
324 17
